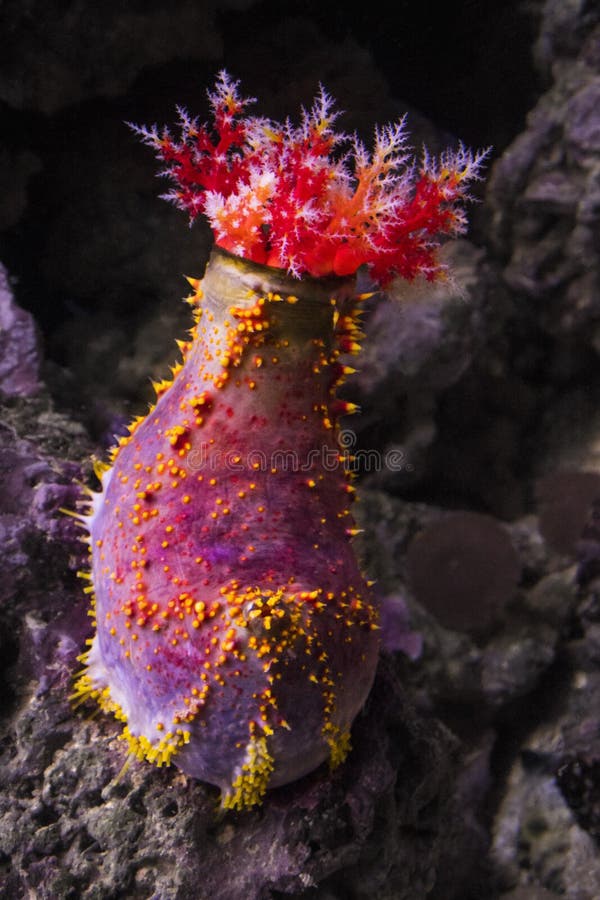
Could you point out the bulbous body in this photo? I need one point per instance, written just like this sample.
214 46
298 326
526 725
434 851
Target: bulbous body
235 633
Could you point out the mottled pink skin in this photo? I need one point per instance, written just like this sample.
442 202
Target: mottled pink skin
232 526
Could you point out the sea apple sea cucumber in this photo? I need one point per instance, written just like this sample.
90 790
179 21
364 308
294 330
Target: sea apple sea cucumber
234 632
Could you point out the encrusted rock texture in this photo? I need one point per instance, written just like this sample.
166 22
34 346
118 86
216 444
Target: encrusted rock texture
475 769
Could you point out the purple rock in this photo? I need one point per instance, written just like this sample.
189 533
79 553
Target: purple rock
396 633
19 353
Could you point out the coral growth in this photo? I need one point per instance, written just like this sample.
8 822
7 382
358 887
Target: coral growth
464 569
310 199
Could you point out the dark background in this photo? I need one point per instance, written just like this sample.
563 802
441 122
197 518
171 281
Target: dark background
73 73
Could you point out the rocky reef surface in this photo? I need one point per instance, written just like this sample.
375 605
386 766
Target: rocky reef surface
475 769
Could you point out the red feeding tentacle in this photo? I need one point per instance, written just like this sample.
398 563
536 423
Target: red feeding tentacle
323 213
